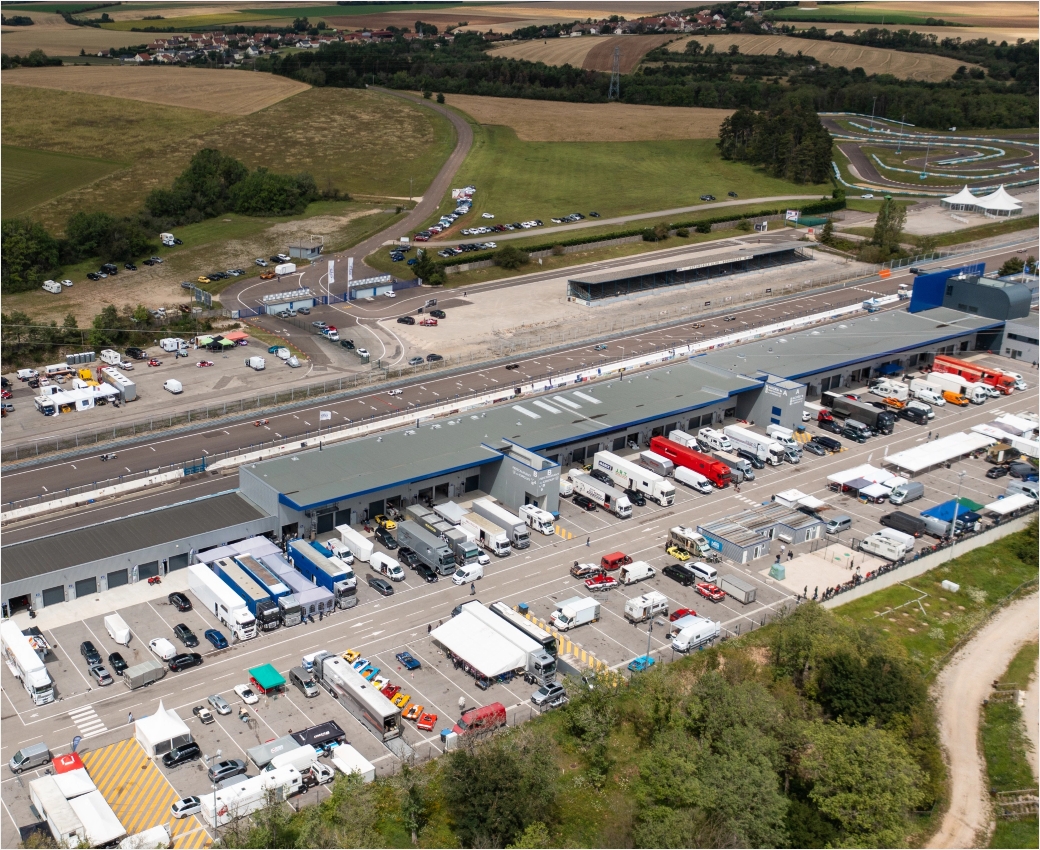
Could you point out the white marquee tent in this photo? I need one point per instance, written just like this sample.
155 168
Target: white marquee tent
998 203
939 451
161 732
963 200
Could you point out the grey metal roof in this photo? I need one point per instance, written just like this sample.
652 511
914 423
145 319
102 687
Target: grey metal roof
850 341
708 258
353 468
111 539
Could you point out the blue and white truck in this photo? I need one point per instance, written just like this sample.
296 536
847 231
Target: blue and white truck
258 602
328 572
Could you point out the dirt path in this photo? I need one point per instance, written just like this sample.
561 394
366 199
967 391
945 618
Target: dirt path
960 690
1031 713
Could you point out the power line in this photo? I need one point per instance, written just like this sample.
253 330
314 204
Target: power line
615 77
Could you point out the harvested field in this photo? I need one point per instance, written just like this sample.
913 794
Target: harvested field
210 90
633 49
593 53
552 51
553 121
997 34
571 12
873 60
54 37
1013 13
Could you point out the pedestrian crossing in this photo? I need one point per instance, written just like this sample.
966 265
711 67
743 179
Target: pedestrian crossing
746 500
88 722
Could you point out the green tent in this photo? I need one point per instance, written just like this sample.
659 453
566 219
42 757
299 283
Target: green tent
969 505
204 340
227 343
267 678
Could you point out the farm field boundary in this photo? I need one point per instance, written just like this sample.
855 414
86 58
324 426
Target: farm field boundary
31 177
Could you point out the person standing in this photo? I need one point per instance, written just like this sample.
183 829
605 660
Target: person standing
130 718
462 705
588 541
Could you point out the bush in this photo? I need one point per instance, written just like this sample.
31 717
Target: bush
440 97
510 257
744 225
703 227
557 251
683 232
28 256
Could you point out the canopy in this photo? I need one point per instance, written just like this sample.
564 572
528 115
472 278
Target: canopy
964 198
99 821
483 649
939 451
161 732
1017 425
999 201
67 762
890 369
235 336
74 783
1010 504
872 474
267 677
225 343
204 340
946 510
875 491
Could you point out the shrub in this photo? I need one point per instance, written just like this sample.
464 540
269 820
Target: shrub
703 227
557 251
510 257
683 232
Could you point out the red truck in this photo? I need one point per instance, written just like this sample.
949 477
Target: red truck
975 373
714 470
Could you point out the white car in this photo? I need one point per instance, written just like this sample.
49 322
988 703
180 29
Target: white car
261 262
805 416
390 294
487 215
186 807
393 392
163 648
246 694
362 352
66 283
126 366
483 559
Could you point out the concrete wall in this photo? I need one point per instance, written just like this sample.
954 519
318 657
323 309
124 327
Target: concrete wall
779 402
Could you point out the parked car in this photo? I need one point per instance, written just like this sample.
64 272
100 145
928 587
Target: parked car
204 714
408 662
245 693
636 498
600 475
260 261
679 613
679 573
386 538
225 770
427 573
186 807
384 522
216 638
438 314
179 601
814 448
185 635
678 553
584 502
996 472
405 320
433 358
185 661
380 586
641 664
416 361
90 653
547 693
219 704
583 571
601 582
1021 469
407 557
117 663
181 755
101 675
710 591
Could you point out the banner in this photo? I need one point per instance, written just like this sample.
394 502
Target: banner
791 215
332 272
324 415
75 742
350 269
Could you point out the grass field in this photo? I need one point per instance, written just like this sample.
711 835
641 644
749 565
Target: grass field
552 121
355 140
873 60
589 52
553 51
208 89
31 177
1012 14
54 37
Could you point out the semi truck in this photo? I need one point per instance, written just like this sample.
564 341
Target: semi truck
450 512
714 470
356 694
881 421
760 446
632 476
359 545
431 550
463 547
975 372
143 674
516 528
540 666
217 597
538 518
487 534
607 497
533 631
260 605
574 612
973 391
290 612
331 573
25 664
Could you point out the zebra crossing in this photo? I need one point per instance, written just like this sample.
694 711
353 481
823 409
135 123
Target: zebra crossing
746 500
88 722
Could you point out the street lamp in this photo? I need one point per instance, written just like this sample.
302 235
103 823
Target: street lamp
872 112
956 505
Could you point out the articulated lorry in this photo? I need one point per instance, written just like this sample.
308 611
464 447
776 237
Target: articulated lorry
428 548
25 664
573 612
450 512
540 665
143 674
973 391
975 372
764 448
632 476
357 695
607 497
464 548
516 528
329 572
487 534
881 421
290 613
260 605
714 470
216 597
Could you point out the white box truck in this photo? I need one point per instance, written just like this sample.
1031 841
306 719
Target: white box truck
738 589
257 363
574 612
539 519
646 606
607 497
740 468
487 534
973 392
285 268
117 629
219 599
632 476
348 761
636 571
516 528
25 664
51 804
762 447
357 543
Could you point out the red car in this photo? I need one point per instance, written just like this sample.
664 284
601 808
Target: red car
428 322
203 363
681 612
710 591
427 722
154 362
601 582
6 394
390 691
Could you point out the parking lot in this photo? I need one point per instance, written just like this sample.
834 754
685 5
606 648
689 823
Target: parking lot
381 627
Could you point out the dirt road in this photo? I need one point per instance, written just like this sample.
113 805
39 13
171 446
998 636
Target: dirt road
1031 712
959 691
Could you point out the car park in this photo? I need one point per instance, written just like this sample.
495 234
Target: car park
179 601
245 693
185 635
182 755
216 638
184 661
380 586
204 715
219 704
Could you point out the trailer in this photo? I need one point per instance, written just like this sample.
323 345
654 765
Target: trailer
533 631
574 612
646 607
349 761
539 519
51 805
332 573
361 547
607 497
881 421
260 605
738 589
975 372
973 391
25 664
715 471
540 665
217 597
314 600
633 476
358 696
450 512
262 754
760 446
431 550
516 528
883 547
117 629
290 612
238 801
489 535
143 674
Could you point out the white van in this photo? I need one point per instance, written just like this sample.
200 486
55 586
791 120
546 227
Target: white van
163 648
467 573
173 386
52 286
926 409
703 571
783 436
387 566
908 540
906 492
1027 487
638 571
692 479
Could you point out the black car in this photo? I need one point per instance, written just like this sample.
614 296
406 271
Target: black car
679 573
179 601
148 262
185 635
184 661
636 498
110 268
755 461
512 366
584 502
405 320
90 653
136 353
116 662
600 475
732 194
829 443
814 449
380 585
433 358
831 425
593 215
347 344
997 472
707 197
182 754
386 538
407 557
438 314
275 259
130 267
914 415
426 572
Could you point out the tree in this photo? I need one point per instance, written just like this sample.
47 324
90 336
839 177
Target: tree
510 257
413 800
29 255
827 235
888 229
877 688
440 97
864 779
1012 265
427 270
535 837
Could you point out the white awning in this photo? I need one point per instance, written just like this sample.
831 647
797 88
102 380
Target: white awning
870 473
480 647
1021 427
932 454
875 491
1010 504
999 201
99 821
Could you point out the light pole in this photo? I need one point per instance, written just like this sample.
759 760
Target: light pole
956 505
872 112
209 760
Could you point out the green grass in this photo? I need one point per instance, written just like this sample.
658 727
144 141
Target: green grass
31 177
873 205
856 16
985 576
1015 834
518 180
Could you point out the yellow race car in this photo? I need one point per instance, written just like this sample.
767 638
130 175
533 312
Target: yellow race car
678 553
384 522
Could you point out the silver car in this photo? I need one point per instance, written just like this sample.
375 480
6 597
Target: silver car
547 693
219 704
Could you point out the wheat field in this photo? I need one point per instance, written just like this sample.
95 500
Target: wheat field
551 51
873 60
591 52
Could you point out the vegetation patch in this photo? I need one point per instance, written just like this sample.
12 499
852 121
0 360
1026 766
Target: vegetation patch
31 177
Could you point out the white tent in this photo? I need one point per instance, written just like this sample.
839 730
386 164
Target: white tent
99 821
939 451
998 203
871 473
1010 504
74 783
480 647
1016 424
875 492
963 200
161 732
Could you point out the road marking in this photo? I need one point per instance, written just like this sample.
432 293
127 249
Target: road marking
563 532
88 722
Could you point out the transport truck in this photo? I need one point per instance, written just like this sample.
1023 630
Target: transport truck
450 512
975 372
487 534
694 632
738 588
420 514
973 391
532 630
463 547
238 801
516 528
540 666
927 392
331 573
657 463
356 694
739 468
262 754
715 471
881 421
431 550
645 607
25 664
607 497
631 476
258 602
636 571
143 674
539 519
358 544
574 612
758 445
290 613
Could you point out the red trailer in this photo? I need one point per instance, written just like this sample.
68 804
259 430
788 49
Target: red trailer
974 372
714 470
